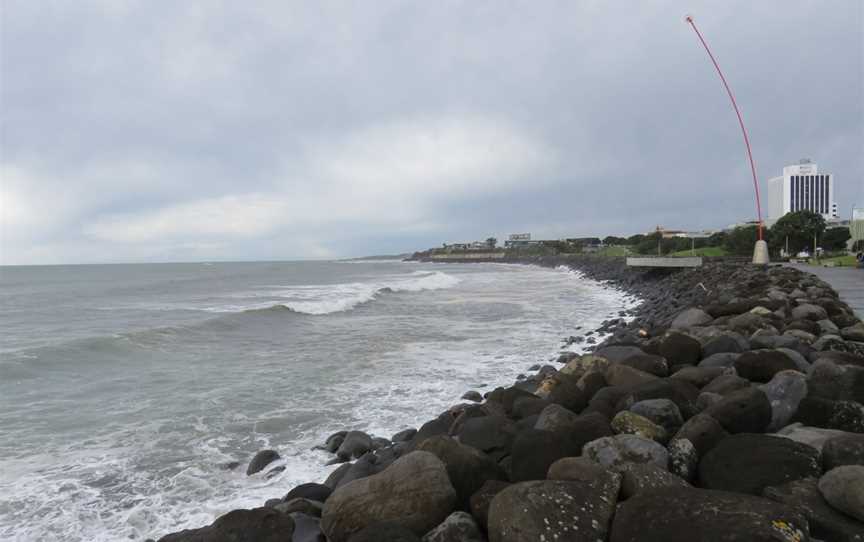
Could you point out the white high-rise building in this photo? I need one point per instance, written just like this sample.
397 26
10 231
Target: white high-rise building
800 188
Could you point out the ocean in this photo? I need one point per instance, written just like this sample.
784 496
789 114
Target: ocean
125 389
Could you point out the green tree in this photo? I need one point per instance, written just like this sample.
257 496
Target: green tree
634 240
614 241
741 240
648 244
799 228
835 238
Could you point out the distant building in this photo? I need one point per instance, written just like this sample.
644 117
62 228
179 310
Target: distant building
800 188
856 226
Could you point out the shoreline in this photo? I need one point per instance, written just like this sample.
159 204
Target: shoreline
620 424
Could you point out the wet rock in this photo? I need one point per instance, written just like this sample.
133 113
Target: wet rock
676 514
334 477
255 525
748 463
845 449
414 492
553 510
702 431
762 365
467 468
616 354
481 500
405 435
605 401
274 471
843 488
355 444
230 465
680 348
299 504
472 395
458 527
639 477
261 460
827 326
691 318
785 391
815 437
306 528
743 411
630 423
584 364
613 451
707 399
334 441
663 412
825 522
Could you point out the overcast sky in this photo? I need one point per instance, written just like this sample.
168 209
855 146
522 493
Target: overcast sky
175 131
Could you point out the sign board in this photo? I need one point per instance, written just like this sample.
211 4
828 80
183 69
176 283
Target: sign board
520 236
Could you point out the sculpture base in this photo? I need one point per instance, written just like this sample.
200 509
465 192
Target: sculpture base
760 253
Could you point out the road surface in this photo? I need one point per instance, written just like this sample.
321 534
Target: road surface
848 281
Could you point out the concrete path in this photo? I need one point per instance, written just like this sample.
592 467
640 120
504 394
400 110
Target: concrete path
848 281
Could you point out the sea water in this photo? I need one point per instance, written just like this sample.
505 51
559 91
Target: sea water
125 389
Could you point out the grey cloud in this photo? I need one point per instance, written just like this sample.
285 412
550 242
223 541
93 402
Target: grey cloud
133 111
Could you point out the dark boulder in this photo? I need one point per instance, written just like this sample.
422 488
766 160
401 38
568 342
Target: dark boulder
525 407
261 460
438 426
742 411
467 467
314 492
507 396
481 500
680 348
682 393
836 382
581 428
723 344
605 400
648 363
748 463
554 510
703 432
639 477
825 522
842 415
255 525
843 450
725 384
618 353
404 436
762 365
415 492
698 376
334 441
676 514
379 532
356 443
535 450
492 435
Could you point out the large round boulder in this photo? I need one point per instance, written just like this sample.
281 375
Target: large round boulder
826 523
458 527
836 382
691 317
680 514
261 460
702 431
414 492
742 411
255 525
554 510
679 348
843 488
613 451
748 463
467 467
846 449
762 365
535 450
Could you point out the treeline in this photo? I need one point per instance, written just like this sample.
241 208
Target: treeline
798 229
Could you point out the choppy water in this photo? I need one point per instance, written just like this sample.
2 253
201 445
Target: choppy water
124 387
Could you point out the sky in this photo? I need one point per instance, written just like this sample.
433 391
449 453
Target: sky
200 131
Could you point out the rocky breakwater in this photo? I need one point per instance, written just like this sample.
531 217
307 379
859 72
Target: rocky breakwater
740 417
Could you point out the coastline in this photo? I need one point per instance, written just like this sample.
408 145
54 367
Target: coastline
534 435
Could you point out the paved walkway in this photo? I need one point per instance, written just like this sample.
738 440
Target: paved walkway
848 281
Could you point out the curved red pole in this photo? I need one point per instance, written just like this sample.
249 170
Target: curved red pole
689 19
